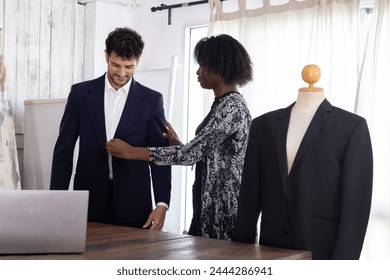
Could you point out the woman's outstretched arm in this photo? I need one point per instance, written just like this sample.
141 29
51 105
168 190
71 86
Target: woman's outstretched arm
121 149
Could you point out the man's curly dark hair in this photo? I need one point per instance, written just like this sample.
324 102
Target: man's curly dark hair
224 55
125 42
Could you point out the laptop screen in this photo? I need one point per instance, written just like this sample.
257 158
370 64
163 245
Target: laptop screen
43 221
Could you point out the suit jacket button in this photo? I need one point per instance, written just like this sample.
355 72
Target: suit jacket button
285 232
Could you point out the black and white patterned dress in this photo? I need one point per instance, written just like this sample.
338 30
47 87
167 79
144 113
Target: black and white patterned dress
218 149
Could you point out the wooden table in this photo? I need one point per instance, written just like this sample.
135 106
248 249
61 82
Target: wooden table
109 242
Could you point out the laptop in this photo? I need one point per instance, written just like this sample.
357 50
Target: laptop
43 221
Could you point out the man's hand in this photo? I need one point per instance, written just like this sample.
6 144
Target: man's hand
156 218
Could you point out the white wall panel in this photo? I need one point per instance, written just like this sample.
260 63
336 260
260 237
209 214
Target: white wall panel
43 50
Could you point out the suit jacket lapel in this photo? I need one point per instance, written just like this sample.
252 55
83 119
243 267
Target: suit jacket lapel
281 138
131 111
318 121
95 104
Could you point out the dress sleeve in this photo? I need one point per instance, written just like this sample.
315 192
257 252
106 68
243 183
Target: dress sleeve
229 114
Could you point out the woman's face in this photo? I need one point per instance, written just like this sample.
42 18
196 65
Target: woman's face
207 79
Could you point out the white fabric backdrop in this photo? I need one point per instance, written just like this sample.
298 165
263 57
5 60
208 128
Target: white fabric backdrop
373 103
283 39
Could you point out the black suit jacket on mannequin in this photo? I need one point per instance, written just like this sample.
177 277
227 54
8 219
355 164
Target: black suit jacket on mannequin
141 124
323 204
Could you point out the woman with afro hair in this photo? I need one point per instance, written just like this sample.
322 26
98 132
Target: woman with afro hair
218 148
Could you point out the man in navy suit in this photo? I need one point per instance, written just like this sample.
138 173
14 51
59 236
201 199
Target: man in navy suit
115 106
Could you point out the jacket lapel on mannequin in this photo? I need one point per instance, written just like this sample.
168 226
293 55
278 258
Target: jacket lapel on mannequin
318 121
281 138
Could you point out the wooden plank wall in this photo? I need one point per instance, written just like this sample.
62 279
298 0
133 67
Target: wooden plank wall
43 46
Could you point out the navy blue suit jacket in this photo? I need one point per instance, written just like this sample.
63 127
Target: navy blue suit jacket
323 204
142 124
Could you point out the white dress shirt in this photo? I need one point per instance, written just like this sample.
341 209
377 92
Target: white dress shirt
114 102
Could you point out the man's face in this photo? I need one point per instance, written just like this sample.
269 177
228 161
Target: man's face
120 70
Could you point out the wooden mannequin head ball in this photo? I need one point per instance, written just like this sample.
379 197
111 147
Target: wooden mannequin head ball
311 74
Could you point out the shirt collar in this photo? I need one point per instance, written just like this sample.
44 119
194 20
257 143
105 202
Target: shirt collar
123 90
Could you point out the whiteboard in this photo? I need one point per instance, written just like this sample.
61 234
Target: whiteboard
157 79
162 80
42 121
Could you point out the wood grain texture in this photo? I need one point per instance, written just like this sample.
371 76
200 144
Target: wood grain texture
109 242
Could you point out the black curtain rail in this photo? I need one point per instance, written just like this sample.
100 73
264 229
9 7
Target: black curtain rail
168 7
180 5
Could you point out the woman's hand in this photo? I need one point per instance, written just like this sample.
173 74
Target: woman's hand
119 148
171 136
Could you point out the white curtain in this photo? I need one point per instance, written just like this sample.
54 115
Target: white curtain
373 102
282 36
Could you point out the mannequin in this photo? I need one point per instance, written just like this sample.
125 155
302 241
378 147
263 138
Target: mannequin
308 101
308 172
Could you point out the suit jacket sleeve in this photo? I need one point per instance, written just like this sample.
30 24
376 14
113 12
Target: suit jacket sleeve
62 163
356 191
161 175
249 205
